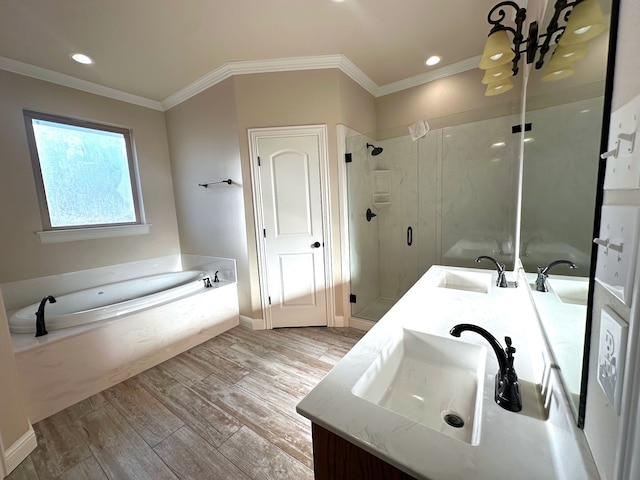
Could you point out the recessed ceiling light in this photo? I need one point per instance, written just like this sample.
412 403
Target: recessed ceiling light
82 58
434 60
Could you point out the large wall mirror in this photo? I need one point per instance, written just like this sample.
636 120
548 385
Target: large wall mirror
559 200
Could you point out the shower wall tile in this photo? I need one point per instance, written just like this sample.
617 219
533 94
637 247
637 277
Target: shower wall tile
429 172
560 168
478 193
398 265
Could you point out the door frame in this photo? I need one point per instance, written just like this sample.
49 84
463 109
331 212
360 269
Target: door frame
319 131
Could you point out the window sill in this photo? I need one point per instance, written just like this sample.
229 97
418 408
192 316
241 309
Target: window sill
73 234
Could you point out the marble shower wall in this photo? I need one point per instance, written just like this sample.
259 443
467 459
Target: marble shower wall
456 192
479 191
560 169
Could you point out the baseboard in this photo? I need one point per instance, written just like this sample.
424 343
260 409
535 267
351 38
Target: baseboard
252 323
338 321
361 324
20 450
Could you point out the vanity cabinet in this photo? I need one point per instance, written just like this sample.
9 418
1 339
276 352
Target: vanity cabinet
335 458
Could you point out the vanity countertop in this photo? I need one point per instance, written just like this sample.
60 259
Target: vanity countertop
519 445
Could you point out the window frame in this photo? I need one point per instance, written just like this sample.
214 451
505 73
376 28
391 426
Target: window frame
29 116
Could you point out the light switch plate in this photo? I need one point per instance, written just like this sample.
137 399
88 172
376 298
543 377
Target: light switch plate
623 168
618 238
611 355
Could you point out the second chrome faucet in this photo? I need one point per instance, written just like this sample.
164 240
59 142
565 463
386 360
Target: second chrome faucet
502 278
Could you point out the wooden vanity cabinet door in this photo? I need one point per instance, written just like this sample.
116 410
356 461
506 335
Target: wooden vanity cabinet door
335 458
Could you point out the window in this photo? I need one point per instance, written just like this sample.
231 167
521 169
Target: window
85 173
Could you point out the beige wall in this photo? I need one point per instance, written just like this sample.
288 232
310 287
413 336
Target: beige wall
208 141
23 255
602 424
287 99
460 95
204 147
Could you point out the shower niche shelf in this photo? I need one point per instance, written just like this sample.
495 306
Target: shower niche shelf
381 183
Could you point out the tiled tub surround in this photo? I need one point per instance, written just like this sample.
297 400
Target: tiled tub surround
541 441
69 365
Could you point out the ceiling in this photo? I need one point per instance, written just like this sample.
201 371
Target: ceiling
156 48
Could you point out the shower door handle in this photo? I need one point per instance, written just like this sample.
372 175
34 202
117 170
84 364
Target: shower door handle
409 236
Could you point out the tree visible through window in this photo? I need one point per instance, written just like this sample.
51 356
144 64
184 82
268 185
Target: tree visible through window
84 172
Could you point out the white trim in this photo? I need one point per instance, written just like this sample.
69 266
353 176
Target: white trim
21 448
72 82
320 131
230 69
361 324
437 74
317 62
252 323
73 234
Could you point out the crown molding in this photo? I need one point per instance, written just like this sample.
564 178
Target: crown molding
318 62
437 74
230 69
72 82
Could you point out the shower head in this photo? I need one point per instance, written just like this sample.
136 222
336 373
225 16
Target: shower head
375 151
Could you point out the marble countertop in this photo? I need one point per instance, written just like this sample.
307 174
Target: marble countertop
511 445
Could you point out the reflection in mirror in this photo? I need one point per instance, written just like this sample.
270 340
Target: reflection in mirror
560 175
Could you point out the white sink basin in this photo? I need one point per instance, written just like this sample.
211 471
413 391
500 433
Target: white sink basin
425 378
462 280
570 291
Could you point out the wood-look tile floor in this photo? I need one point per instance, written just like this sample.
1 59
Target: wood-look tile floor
222 410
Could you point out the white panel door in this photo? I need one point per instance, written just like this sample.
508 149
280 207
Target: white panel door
292 216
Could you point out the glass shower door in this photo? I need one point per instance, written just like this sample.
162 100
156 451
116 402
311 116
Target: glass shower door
383 222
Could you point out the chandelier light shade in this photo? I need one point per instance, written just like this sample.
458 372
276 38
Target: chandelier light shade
571 53
582 21
497 50
585 22
498 87
497 74
557 71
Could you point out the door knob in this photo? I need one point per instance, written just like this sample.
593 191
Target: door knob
315 245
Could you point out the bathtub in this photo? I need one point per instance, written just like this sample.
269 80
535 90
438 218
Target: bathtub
111 300
174 313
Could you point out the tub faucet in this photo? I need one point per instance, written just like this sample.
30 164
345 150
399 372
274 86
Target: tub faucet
507 389
215 277
502 278
543 273
40 326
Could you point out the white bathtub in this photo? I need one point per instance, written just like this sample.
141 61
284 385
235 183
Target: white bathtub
109 301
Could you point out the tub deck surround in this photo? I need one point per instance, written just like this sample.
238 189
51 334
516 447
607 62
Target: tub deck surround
511 445
69 365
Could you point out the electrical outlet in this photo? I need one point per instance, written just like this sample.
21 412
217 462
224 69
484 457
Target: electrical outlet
611 355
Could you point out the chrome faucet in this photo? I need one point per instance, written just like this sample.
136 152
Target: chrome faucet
502 279
507 389
40 326
543 273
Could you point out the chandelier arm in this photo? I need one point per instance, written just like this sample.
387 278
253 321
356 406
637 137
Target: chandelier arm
554 31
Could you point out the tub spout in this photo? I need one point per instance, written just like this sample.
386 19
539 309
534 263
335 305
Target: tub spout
40 324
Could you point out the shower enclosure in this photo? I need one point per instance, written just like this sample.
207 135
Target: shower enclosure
444 198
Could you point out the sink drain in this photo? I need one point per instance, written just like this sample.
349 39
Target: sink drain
454 420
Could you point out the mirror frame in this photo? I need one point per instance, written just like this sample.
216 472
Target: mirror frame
602 164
